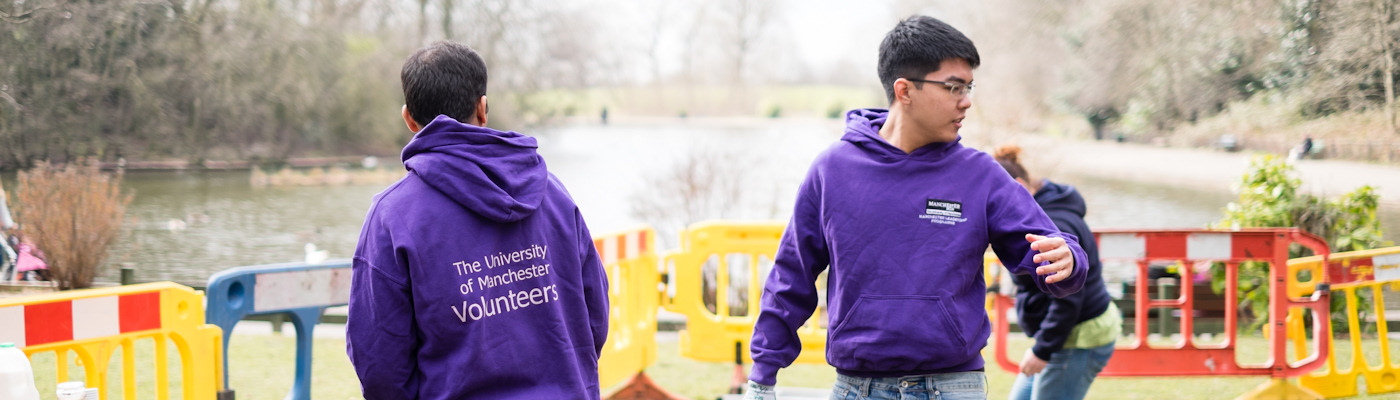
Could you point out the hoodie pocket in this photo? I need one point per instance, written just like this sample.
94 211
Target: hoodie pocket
898 333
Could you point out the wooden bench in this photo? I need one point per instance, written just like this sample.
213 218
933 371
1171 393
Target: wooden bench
1208 307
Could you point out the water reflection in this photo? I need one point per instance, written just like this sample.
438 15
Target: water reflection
228 223
1122 204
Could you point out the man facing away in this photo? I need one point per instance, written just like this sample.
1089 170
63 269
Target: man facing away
475 276
901 213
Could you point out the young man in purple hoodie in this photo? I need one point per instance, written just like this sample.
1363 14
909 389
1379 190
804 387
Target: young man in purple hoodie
475 276
901 213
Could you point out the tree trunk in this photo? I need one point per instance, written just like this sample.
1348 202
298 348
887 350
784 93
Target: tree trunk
422 21
1388 73
447 19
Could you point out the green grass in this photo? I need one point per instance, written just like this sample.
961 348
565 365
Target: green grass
262 368
698 380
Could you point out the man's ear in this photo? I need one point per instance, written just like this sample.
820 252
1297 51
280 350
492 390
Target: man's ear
901 91
481 110
408 119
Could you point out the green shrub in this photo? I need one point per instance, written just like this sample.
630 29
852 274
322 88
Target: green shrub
835 111
1268 197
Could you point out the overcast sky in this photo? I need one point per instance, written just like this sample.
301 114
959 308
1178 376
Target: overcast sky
816 35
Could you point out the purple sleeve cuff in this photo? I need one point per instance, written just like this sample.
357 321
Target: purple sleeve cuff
1076 279
764 373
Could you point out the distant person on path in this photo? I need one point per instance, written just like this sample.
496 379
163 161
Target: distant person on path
902 214
8 256
7 221
475 276
1074 335
1302 151
30 264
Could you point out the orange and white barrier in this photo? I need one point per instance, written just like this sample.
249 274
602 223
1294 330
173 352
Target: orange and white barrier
1186 357
630 260
79 319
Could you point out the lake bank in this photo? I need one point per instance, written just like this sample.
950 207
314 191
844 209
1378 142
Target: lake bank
1207 172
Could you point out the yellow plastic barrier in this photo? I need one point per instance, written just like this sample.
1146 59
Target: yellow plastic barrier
94 323
630 260
1349 272
720 319
720 324
993 275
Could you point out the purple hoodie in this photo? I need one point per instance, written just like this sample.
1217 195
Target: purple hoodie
904 236
475 277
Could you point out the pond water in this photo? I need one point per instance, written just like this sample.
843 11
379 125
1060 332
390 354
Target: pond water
621 176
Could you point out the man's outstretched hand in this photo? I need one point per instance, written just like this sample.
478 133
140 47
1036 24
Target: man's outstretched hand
1055 251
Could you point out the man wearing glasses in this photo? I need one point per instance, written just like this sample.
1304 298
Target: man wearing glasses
901 213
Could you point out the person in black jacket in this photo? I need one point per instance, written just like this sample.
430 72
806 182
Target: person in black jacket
1074 336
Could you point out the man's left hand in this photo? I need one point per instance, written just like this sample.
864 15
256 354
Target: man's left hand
1054 250
1031 365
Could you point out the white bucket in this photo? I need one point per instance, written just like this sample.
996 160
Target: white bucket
16 375
75 390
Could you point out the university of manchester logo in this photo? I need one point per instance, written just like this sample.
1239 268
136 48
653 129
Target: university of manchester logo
943 212
943 207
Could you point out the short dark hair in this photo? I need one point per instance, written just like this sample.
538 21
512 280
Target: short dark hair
443 78
916 47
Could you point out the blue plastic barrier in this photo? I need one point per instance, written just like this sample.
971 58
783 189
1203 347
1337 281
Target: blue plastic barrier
303 291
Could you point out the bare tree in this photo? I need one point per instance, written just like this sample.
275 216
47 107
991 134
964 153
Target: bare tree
1384 19
72 214
706 184
744 25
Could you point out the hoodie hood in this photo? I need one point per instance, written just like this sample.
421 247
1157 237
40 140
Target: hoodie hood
1054 197
496 174
863 130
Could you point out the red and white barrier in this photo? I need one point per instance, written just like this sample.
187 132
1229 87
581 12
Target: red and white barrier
78 319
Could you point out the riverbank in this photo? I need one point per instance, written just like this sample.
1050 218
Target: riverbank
1195 169
1202 171
233 165
1199 169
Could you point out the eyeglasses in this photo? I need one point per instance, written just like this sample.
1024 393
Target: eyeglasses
958 90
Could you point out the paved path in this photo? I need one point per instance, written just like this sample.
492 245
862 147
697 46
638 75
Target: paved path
1198 169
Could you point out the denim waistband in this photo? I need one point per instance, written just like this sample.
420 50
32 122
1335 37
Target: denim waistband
944 381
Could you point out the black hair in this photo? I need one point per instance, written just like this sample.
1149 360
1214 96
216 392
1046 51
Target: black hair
916 47
443 78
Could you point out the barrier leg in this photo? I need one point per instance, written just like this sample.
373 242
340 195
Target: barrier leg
304 321
1297 332
1280 389
736 384
1163 315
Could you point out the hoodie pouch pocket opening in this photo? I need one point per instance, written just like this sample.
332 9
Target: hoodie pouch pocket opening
898 333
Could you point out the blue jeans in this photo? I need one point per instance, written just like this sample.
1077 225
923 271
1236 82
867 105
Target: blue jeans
950 386
1067 376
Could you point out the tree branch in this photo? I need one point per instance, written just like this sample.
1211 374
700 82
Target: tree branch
23 16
